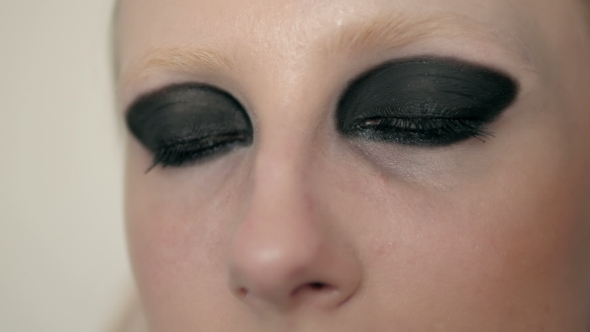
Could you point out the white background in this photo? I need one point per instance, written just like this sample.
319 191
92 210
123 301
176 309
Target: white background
63 265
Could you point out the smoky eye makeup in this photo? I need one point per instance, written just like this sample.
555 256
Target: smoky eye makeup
187 123
425 101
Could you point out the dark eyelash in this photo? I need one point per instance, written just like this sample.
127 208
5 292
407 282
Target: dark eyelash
420 131
185 152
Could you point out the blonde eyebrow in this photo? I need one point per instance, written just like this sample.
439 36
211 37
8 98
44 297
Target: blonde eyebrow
361 36
378 32
397 31
180 59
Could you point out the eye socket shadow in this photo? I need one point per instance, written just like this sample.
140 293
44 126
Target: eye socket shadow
426 88
186 113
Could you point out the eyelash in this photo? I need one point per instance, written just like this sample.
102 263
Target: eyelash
407 131
420 131
197 150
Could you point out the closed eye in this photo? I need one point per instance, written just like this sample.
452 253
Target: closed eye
188 123
420 131
425 101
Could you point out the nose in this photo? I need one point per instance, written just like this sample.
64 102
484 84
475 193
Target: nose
286 252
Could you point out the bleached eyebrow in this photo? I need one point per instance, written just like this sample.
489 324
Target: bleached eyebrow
181 59
396 31
364 35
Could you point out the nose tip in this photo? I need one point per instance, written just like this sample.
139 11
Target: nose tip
292 270
287 250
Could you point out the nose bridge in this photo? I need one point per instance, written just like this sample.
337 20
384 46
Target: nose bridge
277 232
278 180
282 252
282 160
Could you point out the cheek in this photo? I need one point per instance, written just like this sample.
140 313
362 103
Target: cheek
510 252
530 256
509 247
178 223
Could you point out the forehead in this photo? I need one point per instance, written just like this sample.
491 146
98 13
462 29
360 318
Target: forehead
278 34
222 16
292 24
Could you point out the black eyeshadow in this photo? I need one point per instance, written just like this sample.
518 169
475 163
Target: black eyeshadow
424 101
186 122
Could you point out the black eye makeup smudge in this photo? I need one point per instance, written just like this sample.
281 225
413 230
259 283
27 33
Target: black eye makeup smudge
188 122
424 101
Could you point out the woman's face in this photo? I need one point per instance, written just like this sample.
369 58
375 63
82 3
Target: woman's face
408 165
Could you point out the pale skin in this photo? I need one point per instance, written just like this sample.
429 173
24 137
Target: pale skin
308 230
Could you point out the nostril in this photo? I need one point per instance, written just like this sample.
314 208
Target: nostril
317 285
312 288
242 292
317 295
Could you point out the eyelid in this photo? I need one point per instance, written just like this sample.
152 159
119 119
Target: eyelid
450 63
152 94
180 122
420 58
463 95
